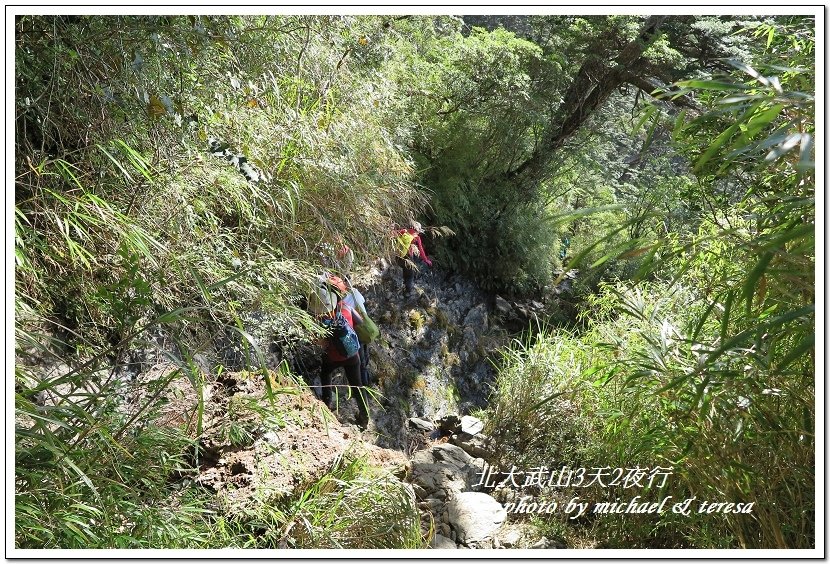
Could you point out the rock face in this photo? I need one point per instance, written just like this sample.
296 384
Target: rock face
475 516
433 356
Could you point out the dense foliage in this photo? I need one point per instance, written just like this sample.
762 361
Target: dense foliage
709 368
175 174
131 235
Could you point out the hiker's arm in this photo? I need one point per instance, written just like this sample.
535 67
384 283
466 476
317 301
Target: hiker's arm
423 253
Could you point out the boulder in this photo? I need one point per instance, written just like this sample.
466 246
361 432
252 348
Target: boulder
437 479
420 424
471 425
443 469
452 455
503 307
475 517
476 446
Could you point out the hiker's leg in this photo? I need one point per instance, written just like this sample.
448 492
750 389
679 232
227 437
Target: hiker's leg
326 368
364 364
352 369
409 270
408 274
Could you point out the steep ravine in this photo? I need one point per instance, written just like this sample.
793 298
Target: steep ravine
431 367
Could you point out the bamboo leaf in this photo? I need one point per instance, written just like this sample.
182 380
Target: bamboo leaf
715 146
727 311
117 163
742 337
701 321
200 283
804 346
647 114
717 85
790 143
750 71
805 159
748 290
175 315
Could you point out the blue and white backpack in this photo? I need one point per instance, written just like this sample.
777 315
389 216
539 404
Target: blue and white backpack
343 338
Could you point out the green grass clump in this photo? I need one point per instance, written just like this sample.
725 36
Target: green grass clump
353 506
640 388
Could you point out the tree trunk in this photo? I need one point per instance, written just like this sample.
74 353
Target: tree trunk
592 85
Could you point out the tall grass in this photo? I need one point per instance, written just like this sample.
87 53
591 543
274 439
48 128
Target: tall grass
353 507
535 410
133 244
637 389
709 368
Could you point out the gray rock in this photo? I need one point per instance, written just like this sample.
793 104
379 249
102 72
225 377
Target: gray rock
420 424
470 337
503 306
477 317
442 469
452 455
476 446
541 543
433 478
430 477
510 538
440 541
475 516
471 425
420 493
433 505
203 363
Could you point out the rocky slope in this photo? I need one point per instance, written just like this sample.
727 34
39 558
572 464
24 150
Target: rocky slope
431 367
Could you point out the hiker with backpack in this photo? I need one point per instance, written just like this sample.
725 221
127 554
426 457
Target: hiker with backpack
367 331
341 349
409 247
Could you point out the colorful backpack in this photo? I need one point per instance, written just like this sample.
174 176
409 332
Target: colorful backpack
343 338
